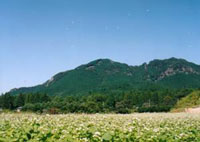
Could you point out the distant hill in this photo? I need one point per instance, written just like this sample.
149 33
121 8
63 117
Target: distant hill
107 75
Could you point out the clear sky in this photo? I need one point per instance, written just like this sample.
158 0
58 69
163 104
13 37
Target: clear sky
39 38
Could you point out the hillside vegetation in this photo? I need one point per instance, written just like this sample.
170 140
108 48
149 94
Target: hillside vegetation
190 101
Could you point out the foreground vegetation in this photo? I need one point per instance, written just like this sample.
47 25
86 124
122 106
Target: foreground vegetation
163 127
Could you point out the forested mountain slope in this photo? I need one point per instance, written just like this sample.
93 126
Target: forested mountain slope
104 75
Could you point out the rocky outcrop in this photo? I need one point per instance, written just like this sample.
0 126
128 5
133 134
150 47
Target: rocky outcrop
172 71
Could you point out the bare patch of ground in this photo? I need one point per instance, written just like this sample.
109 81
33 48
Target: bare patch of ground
193 110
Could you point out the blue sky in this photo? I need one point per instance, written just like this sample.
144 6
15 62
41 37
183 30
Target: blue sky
39 38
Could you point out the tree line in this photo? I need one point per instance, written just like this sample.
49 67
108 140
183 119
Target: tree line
113 102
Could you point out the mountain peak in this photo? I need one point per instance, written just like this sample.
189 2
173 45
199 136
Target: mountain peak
99 61
172 59
96 63
172 66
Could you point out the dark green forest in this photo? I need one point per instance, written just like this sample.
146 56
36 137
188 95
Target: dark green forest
151 100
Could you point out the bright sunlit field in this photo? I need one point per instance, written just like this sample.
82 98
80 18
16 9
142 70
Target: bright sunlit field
162 127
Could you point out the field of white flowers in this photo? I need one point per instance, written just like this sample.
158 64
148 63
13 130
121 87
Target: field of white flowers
164 127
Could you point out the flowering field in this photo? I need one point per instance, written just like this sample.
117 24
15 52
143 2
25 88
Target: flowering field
164 127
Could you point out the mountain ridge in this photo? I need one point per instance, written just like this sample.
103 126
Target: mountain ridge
106 74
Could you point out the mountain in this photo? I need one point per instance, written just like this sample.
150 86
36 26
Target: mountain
107 75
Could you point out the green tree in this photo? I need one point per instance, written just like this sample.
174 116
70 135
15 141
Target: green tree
20 100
